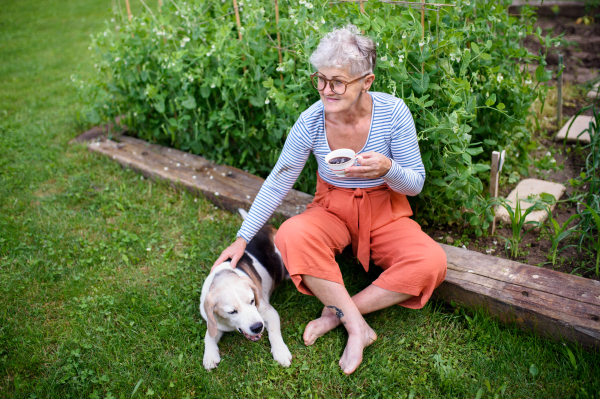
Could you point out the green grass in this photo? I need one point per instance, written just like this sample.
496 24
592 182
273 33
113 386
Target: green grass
86 311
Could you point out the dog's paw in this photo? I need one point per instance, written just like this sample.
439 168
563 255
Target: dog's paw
282 355
211 361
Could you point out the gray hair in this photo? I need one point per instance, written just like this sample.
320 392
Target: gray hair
346 47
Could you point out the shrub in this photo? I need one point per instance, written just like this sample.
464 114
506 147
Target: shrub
182 78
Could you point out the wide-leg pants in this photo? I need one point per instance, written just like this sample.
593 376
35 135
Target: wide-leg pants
376 222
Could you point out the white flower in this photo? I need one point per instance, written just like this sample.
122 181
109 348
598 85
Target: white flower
295 105
520 34
216 193
143 24
548 154
455 129
281 68
391 63
421 42
149 249
295 22
487 94
384 58
528 81
499 78
212 86
186 39
404 35
117 59
191 78
267 101
471 90
401 58
556 44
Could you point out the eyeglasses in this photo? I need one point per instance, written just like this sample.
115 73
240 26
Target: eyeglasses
337 86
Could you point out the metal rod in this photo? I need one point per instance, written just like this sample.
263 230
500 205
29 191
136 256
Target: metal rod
559 101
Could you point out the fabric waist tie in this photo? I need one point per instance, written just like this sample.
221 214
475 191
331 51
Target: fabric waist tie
359 218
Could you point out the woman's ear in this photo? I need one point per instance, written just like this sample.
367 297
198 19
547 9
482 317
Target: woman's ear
369 81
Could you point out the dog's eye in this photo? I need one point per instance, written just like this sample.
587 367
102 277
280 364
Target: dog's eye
252 302
233 312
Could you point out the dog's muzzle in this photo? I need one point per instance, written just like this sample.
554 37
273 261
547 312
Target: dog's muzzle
256 328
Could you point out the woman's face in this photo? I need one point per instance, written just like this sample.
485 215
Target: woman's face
335 103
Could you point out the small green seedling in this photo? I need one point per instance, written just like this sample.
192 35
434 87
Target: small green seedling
596 245
560 232
518 222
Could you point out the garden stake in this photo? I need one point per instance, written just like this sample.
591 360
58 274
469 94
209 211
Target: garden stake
559 93
278 36
160 6
495 172
239 25
128 9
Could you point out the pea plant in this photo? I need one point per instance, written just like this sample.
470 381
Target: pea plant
188 77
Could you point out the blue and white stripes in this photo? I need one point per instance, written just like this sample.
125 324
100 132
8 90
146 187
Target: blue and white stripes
392 134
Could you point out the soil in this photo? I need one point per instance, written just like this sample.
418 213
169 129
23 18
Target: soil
582 63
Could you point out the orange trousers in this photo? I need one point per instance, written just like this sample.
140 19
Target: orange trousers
376 222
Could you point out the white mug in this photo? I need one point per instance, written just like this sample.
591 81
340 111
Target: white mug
338 169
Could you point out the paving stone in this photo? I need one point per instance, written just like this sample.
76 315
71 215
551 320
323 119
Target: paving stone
524 189
582 122
592 93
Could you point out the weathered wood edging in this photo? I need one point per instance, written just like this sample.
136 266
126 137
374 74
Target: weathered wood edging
550 303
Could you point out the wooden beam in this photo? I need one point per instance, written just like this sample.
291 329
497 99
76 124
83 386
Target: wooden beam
550 303
229 188
547 302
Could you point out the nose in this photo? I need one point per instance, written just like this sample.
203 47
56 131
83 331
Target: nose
327 90
256 327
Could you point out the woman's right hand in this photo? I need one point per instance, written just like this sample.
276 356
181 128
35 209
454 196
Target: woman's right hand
234 252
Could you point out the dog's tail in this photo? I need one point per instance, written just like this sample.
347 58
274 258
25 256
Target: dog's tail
243 213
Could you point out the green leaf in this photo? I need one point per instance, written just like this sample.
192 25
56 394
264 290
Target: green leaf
571 358
475 47
542 75
534 370
189 103
485 56
501 106
474 150
490 101
479 167
466 157
159 106
490 142
125 258
439 182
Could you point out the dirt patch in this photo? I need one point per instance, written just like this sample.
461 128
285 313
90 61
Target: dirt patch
581 50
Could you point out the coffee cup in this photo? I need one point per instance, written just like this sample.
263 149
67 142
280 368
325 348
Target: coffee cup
339 160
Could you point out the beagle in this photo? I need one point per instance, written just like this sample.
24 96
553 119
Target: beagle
238 299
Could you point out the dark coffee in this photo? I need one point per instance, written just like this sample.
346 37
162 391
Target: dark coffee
338 160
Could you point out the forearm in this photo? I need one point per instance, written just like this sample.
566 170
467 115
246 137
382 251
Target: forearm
405 180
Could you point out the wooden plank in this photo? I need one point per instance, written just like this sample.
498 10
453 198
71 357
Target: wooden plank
550 303
228 187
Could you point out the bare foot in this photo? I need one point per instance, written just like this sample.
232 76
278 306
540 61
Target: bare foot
319 327
353 353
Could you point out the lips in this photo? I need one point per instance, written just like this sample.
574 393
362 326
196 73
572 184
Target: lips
253 338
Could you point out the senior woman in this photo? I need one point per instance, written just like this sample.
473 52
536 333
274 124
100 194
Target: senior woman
366 208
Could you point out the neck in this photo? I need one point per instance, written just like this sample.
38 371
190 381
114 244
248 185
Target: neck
357 111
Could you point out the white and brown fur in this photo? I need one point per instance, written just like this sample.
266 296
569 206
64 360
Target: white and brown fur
238 299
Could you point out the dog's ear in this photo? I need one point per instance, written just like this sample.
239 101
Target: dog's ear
256 292
209 307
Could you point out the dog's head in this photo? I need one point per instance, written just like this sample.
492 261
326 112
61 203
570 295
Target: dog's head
235 300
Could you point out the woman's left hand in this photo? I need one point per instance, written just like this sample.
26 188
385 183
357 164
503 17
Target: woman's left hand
372 166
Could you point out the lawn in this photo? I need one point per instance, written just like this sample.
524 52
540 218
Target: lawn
101 271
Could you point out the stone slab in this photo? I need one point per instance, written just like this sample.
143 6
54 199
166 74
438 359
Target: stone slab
524 189
581 123
594 92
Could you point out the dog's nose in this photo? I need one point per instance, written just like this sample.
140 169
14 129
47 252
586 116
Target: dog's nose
256 327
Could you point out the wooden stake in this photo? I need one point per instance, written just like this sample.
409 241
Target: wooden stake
494 185
128 10
237 19
422 31
559 94
278 36
160 6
